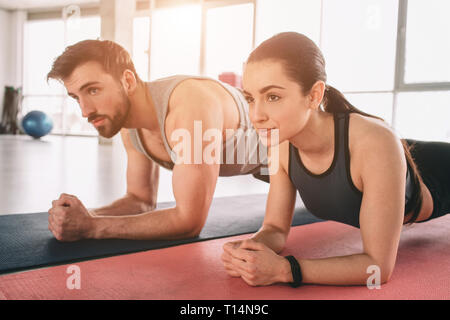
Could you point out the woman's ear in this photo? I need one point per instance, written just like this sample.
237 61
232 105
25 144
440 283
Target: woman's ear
316 94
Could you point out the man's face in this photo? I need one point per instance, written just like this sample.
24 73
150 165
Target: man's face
101 98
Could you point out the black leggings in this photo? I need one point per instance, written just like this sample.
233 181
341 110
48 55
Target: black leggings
433 161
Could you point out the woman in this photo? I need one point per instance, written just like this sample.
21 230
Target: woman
348 166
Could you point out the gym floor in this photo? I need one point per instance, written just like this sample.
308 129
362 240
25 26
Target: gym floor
35 172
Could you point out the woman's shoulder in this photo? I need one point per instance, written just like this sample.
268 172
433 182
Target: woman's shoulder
369 135
367 129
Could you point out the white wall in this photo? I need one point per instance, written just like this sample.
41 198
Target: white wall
5 52
11 50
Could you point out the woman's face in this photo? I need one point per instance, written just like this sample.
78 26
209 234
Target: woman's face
275 101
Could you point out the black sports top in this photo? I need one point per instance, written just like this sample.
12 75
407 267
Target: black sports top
332 195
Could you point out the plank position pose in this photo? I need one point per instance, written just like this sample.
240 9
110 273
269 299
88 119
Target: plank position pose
347 166
154 120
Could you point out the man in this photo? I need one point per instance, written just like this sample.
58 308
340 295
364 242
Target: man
153 119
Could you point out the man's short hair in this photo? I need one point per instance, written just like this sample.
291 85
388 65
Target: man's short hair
111 56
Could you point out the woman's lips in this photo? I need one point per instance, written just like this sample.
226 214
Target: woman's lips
264 132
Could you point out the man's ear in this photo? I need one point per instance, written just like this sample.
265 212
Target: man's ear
316 94
129 81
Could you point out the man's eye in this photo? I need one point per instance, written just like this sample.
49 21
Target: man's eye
93 91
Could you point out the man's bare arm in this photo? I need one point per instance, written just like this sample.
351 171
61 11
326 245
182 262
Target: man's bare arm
142 184
193 188
127 205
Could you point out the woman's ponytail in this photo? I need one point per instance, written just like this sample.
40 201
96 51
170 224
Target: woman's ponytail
335 102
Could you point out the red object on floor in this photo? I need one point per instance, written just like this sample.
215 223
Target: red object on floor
195 272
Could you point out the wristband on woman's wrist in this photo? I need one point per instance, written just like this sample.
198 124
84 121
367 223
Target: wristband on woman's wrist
296 272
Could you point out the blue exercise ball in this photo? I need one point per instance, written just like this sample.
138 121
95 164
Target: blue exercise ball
37 124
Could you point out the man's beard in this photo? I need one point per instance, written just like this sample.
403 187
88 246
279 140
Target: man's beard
118 120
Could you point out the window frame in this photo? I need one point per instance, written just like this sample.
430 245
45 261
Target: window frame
400 83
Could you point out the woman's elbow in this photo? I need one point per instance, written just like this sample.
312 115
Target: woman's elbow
381 270
385 272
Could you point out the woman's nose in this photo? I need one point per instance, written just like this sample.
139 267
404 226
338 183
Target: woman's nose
258 114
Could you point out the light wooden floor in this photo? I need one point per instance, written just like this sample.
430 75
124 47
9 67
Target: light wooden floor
35 172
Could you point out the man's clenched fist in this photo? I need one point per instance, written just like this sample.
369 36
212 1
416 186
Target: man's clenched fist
69 220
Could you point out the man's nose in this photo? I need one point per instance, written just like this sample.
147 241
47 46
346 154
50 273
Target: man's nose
86 109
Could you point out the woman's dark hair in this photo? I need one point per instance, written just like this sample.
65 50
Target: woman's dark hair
304 63
111 56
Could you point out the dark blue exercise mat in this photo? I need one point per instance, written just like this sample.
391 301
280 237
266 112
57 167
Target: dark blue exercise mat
26 242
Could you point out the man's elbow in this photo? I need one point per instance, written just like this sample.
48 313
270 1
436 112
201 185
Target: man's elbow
194 230
192 222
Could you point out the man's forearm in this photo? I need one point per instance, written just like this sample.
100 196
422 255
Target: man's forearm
163 224
128 205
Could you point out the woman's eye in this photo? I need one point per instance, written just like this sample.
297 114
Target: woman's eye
93 91
273 97
249 99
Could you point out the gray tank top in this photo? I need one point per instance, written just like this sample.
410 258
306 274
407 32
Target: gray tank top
241 152
332 195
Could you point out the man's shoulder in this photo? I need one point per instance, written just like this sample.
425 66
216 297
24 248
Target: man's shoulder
194 97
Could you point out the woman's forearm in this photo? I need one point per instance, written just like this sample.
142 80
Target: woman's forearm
127 205
345 270
272 237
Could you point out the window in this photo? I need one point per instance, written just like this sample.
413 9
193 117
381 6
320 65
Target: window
87 28
427 44
141 43
359 43
175 42
424 115
301 16
380 70
39 54
229 37
377 104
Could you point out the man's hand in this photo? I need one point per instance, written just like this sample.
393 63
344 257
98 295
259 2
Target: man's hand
69 220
